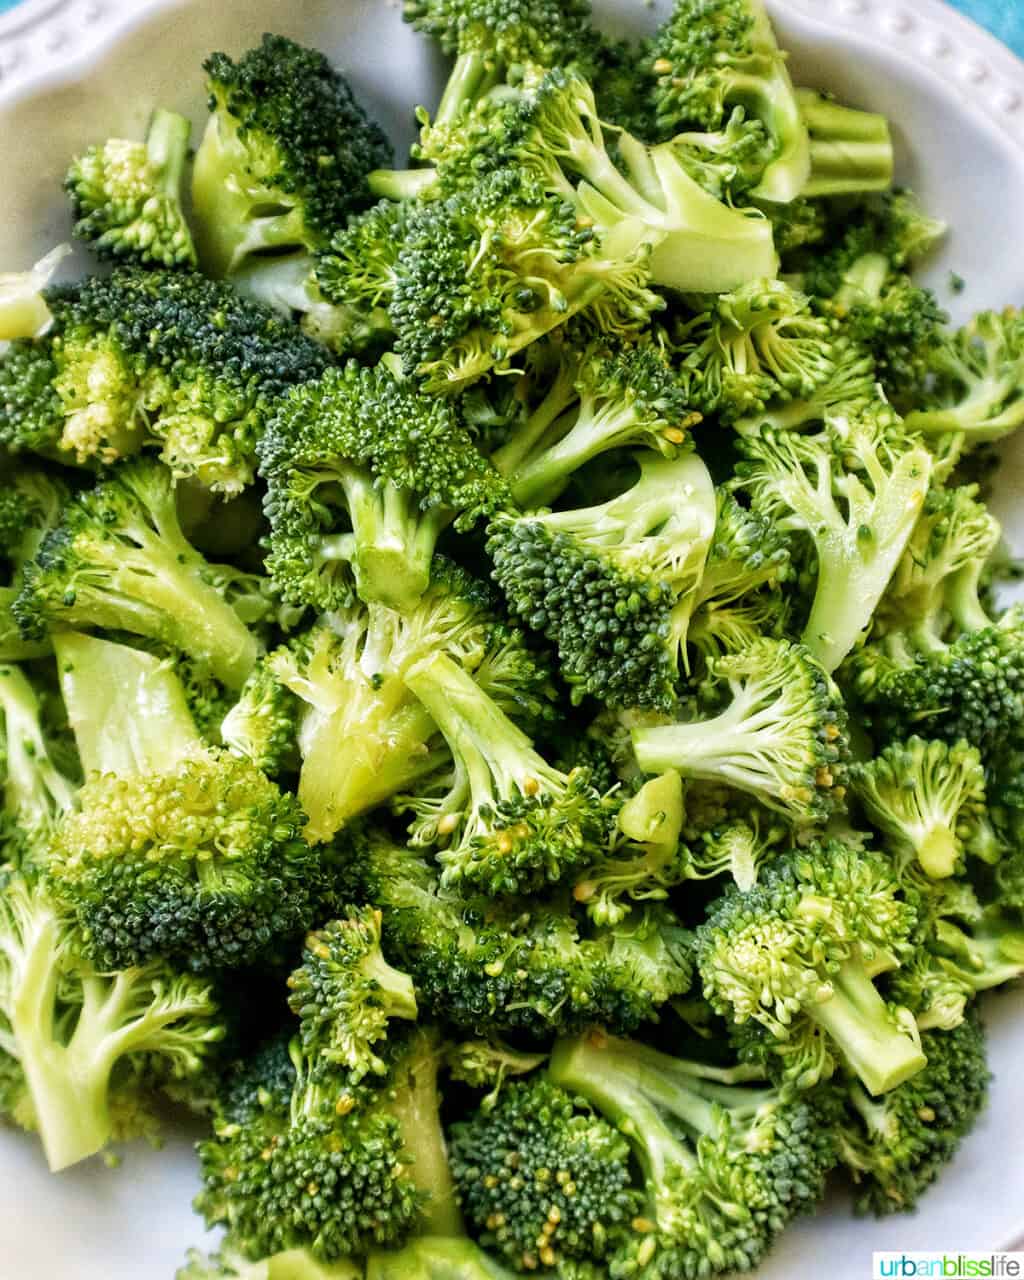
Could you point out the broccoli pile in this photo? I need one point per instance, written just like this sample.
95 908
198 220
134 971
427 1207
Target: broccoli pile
507 715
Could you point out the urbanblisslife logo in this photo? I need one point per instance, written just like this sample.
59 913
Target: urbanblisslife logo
949 1266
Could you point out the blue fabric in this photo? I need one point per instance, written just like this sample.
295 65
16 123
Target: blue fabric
1004 18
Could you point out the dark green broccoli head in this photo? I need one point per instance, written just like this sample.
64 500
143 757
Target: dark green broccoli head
518 965
127 196
542 1178
206 863
363 472
155 358
895 1147
797 953
345 992
284 159
312 1170
492 268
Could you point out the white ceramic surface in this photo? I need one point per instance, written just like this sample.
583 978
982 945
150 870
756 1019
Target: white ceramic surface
73 71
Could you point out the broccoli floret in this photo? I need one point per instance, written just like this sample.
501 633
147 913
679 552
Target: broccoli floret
976 377
284 158
348 673
960 958
936 659
118 559
154 358
263 725
345 992
488 1064
24 312
851 151
757 344
713 55
363 474
781 737
855 489
797 954
493 41
895 1147
518 965
611 584
495 266
305 1163
126 196
175 849
79 1034
542 1178
513 822
851 389
928 799
725 1165
623 397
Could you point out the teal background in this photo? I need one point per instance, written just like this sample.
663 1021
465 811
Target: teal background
1004 18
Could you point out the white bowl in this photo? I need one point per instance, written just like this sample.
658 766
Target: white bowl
75 71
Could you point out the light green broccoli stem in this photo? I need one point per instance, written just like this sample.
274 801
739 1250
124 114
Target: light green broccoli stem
23 309
474 74
498 758
863 282
851 151
515 453
415 1101
401 184
127 708
877 1048
230 224
394 540
35 791
428 1258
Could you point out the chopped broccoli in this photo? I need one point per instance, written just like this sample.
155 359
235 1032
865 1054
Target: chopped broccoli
284 158
851 151
176 849
725 1165
127 196
24 312
80 1034
36 792
896 1146
118 559
927 798
797 954
229 1263
263 725
781 736
542 1178
154 358
611 585
712 55
855 490
363 474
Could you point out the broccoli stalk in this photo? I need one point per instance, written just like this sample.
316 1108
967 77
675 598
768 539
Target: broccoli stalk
36 793
515 822
127 196
70 1026
851 151
24 312
856 490
782 736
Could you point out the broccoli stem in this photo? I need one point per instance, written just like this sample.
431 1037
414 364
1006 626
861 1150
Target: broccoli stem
127 708
858 1020
472 76
523 442
34 791
498 758
394 540
415 1101
380 735
851 151
736 746
938 851
401 184
167 147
